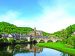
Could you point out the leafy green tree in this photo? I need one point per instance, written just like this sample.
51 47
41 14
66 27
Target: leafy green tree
11 40
46 34
69 31
73 39
65 34
0 36
5 40
1 40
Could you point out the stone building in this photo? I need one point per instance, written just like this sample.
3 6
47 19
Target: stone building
36 32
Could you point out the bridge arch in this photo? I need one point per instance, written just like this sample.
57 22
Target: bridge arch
41 41
58 40
49 41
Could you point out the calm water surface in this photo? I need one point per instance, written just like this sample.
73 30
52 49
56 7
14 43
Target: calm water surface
29 50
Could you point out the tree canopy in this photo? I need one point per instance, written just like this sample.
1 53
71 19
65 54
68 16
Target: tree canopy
10 28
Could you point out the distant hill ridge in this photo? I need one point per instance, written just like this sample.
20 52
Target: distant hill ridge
10 28
67 32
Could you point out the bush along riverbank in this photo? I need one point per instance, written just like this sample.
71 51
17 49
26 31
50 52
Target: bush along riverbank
58 46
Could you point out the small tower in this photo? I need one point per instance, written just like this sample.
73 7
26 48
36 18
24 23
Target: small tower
35 31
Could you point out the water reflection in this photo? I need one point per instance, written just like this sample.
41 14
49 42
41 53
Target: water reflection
29 50
6 51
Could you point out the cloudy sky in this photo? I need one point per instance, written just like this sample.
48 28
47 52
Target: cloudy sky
46 15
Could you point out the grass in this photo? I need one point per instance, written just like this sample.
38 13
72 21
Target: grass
58 46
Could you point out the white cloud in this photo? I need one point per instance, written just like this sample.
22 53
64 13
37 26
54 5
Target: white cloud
51 20
9 16
54 21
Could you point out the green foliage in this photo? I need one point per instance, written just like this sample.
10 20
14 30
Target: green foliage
6 27
5 40
73 40
65 34
17 41
10 28
69 31
70 41
45 34
17 46
1 40
22 41
11 40
0 36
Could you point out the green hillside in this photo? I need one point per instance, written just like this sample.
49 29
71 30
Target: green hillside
67 35
65 32
10 28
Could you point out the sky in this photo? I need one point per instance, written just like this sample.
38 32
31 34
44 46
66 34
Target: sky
46 15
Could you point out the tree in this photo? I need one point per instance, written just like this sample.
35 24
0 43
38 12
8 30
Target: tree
69 31
73 39
1 40
0 36
11 40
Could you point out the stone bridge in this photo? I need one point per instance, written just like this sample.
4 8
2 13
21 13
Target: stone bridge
47 39
51 39
37 36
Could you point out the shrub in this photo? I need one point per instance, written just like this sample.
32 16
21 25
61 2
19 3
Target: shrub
5 39
1 40
11 40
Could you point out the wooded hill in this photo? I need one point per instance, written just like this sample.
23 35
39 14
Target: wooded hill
7 28
65 32
10 28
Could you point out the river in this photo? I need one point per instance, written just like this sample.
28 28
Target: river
29 50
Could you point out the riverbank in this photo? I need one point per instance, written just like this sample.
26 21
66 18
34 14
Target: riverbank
58 46
15 43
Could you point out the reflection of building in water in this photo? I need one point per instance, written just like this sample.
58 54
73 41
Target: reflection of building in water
12 50
29 48
33 48
34 51
6 51
9 49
